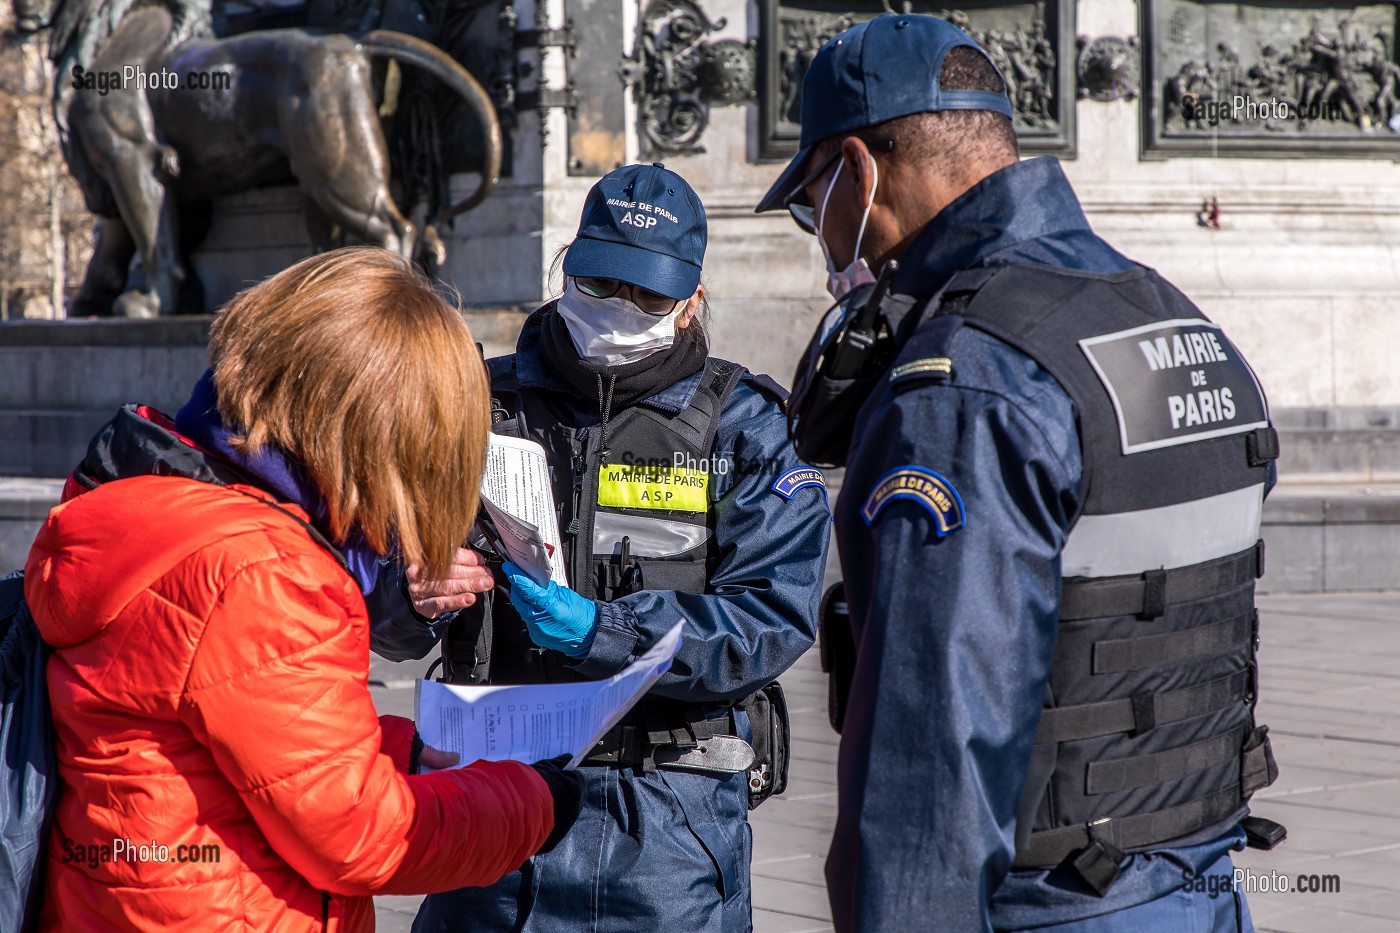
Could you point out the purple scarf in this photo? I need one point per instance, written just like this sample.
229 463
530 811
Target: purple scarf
276 471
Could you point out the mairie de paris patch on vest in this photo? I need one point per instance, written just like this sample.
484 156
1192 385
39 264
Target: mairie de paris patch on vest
923 486
1175 382
671 489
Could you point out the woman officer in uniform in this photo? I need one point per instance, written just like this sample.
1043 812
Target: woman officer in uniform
680 500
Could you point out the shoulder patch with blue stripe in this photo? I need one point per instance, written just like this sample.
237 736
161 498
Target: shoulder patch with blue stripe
923 486
793 480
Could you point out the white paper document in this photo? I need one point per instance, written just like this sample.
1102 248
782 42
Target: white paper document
516 482
521 543
530 722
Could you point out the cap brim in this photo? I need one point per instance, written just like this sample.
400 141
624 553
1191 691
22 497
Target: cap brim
778 194
665 275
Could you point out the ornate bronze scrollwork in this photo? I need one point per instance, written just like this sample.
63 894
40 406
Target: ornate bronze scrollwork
1108 68
677 75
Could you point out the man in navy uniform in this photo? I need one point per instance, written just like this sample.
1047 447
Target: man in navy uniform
1055 467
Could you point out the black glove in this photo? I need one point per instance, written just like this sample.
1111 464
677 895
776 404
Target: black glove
567 789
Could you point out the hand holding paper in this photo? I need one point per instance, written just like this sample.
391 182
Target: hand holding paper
555 615
467 577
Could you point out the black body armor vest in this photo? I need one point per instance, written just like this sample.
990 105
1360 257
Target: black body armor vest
635 516
1147 735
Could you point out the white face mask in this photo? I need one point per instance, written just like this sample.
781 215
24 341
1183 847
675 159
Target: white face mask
613 331
840 283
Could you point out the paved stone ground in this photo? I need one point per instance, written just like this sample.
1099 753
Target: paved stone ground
1331 696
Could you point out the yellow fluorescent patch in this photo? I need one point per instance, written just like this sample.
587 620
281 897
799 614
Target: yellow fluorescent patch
673 489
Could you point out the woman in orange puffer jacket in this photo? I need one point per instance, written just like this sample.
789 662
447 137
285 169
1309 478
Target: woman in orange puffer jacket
209 677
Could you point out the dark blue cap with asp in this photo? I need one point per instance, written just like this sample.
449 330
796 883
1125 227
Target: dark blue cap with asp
641 224
876 71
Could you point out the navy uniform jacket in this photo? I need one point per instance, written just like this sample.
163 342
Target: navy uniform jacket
760 612
955 633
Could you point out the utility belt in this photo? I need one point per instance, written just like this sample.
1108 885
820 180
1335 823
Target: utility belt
710 746
672 738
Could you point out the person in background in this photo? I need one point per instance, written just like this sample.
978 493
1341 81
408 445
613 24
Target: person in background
680 500
1049 524
201 586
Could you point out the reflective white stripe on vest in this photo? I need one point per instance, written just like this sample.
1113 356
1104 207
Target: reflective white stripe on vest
648 537
1168 537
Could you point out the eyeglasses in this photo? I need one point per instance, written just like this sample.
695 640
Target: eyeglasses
797 203
651 302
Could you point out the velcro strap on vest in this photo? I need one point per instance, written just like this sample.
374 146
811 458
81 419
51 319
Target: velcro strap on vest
693 422
1049 848
1135 654
1092 720
1257 766
698 422
1149 593
1108 777
1261 446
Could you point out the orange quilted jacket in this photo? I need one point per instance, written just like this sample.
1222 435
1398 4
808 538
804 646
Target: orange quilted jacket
210 698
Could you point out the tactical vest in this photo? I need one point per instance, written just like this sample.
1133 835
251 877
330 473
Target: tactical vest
1147 734
633 516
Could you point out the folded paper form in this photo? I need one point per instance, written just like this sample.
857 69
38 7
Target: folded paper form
531 722
517 500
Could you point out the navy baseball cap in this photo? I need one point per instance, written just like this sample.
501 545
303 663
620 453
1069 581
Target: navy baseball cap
643 225
878 70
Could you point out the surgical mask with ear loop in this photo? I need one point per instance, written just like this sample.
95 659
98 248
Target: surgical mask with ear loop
840 283
613 331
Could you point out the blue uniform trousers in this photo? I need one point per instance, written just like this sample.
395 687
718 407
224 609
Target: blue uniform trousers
665 851
1181 911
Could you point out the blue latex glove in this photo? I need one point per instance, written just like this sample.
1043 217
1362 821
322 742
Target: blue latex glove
555 615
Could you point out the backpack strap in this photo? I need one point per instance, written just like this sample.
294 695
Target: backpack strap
310 529
153 444
507 412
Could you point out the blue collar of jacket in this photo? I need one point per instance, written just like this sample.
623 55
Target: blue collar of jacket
274 470
534 373
1025 201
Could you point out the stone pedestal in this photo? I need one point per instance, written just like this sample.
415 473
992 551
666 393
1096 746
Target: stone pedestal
24 504
61 381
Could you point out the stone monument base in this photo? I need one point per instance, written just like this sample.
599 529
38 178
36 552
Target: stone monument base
62 380
1332 524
